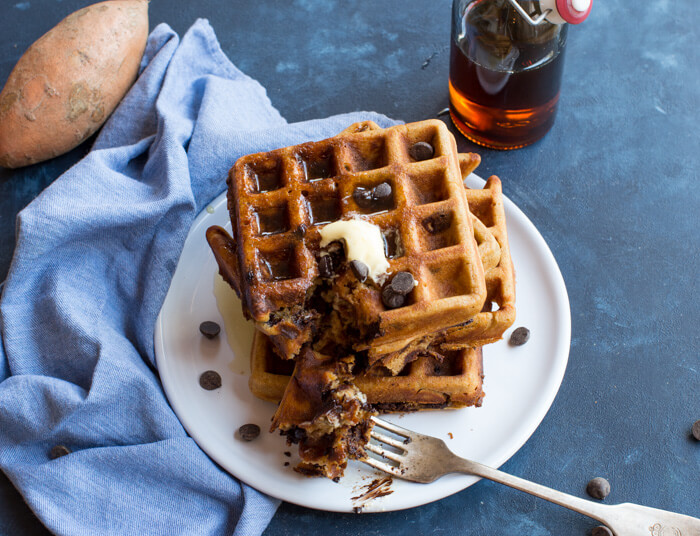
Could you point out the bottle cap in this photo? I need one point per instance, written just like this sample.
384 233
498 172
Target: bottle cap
571 11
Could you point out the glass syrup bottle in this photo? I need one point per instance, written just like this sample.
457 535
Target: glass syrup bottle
506 64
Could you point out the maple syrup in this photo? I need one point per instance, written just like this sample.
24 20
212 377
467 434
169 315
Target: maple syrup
505 74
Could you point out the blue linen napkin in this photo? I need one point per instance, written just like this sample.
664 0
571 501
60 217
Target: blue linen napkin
94 257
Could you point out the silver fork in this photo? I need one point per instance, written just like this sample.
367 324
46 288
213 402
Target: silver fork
422 458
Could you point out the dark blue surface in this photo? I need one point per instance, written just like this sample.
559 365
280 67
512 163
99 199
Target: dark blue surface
613 188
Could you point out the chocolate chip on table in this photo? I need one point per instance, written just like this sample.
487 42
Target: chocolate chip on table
325 266
601 530
403 283
696 430
392 299
248 432
520 336
58 451
209 329
421 151
360 270
598 488
210 380
381 191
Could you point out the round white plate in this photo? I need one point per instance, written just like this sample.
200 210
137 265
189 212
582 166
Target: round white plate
520 384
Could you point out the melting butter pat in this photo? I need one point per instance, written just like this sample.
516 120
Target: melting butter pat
363 242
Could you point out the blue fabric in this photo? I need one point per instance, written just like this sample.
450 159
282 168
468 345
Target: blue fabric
94 257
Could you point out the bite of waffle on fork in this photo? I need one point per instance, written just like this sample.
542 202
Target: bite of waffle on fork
313 314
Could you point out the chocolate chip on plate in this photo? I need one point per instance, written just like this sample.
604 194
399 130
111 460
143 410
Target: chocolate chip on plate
381 191
392 299
696 430
520 336
209 329
248 432
598 488
360 270
210 380
601 530
58 451
402 283
421 151
325 266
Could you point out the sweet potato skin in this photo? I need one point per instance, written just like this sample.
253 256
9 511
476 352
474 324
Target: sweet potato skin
65 86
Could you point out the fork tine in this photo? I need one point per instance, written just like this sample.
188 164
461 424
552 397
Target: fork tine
388 440
385 453
392 427
382 466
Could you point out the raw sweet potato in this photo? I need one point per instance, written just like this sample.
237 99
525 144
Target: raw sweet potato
69 81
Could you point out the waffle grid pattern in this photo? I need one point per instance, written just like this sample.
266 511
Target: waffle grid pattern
488 326
281 198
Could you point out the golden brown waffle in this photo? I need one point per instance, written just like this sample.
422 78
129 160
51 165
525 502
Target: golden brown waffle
489 325
278 200
499 311
449 380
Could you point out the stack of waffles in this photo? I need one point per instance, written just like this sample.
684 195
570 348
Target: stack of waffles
333 346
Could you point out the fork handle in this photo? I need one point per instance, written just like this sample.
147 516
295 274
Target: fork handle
623 519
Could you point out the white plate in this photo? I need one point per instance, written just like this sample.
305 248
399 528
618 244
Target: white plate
520 384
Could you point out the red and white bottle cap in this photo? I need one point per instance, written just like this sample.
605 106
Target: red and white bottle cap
571 11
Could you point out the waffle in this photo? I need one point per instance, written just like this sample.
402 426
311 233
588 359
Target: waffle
449 380
489 325
324 413
278 200
498 313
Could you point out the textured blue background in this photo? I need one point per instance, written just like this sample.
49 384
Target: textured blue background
614 189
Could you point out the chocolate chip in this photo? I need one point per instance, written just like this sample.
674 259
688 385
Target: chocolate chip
210 380
363 197
598 488
601 530
325 266
360 270
696 430
286 464
392 299
58 451
519 337
381 191
248 432
287 454
290 331
421 151
402 283
209 329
